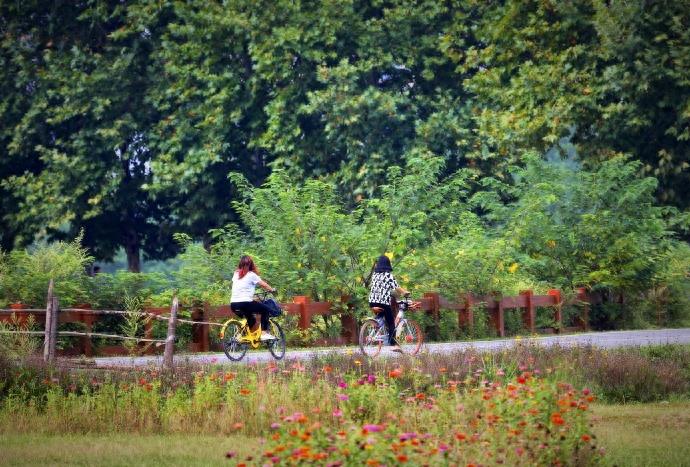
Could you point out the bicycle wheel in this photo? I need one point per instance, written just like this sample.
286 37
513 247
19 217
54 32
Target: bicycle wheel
409 336
371 337
277 345
233 347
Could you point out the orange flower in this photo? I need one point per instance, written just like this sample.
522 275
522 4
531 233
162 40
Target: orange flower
401 458
245 391
585 438
557 419
460 436
229 376
396 373
420 396
373 462
442 370
238 426
327 369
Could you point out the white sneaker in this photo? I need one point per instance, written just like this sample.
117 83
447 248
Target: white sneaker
267 336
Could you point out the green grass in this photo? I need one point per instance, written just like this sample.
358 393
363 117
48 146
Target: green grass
644 434
119 449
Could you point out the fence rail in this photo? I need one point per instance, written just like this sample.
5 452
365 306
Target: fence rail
206 316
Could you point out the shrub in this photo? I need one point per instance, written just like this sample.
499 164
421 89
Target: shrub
26 273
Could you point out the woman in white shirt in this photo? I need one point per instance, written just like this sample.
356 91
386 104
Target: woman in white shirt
242 303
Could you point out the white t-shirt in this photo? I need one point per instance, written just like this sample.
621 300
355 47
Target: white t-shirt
243 289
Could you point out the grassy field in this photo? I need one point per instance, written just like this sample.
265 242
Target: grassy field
644 434
633 435
119 449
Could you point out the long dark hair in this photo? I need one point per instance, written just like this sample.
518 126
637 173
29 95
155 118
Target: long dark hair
246 265
383 264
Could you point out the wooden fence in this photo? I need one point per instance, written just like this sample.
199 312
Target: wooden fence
433 304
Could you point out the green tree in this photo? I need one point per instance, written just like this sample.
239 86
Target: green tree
94 160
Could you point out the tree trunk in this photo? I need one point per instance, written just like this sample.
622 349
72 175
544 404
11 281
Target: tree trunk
133 258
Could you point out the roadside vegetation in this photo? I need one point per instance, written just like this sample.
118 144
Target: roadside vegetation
522 406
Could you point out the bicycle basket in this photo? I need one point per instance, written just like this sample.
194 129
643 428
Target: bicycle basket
273 306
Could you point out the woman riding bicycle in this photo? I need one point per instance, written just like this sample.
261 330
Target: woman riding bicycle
382 284
242 303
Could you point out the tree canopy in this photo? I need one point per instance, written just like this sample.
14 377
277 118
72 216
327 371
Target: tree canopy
125 118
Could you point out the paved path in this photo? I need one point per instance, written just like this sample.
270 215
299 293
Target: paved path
609 339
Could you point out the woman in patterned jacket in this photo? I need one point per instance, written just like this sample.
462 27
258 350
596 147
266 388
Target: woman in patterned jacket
382 284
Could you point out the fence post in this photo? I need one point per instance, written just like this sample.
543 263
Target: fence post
529 315
48 325
496 314
348 322
466 316
557 315
582 297
53 327
170 340
434 299
304 315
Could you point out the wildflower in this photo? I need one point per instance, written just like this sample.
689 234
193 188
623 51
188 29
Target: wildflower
245 391
275 425
442 447
396 373
557 419
401 458
358 362
586 438
337 413
371 428
407 436
238 426
371 379
230 454
327 369
519 451
460 436
342 384
342 397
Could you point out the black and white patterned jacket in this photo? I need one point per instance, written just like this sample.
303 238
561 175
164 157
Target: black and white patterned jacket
382 284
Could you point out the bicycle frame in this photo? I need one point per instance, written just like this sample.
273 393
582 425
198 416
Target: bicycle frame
252 338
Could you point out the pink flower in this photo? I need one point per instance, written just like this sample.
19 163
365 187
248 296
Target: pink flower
371 428
371 379
275 425
407 436
342 384
342 397
442 447
337 413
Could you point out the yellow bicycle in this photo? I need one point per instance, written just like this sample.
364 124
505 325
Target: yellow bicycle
237 338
